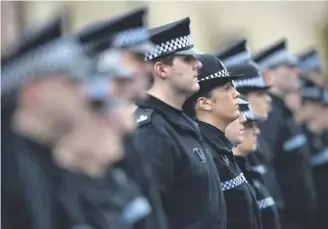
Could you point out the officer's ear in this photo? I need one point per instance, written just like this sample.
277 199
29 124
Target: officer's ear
161 69
204 103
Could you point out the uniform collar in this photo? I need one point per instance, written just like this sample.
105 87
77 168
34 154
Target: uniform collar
175 116
214 133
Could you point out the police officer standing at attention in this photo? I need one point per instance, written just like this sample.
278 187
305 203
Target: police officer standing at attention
169 140
254 89
286 138
246 144
215 106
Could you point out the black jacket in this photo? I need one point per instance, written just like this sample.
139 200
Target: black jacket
262 162
292 164
242 209
182 170
266 203
29 188
319 162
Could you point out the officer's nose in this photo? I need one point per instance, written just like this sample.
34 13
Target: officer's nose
268 98
257 131
236 94
198 64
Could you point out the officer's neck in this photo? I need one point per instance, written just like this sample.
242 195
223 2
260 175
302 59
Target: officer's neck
168 96
214 121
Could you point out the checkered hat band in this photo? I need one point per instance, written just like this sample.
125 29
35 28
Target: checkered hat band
250 82
219 74
239 58
310 63
130 37
249 114
325 97
233 183
174 45
60 56
110 63
313 92
266 202
278 58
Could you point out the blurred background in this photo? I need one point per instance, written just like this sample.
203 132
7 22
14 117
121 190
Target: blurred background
214 23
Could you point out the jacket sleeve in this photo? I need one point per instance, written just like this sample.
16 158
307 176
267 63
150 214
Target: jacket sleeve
158 152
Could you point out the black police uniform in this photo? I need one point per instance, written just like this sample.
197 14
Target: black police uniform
319 162
138 169
29 194
181 168
266 203
262 162
242 209
291 165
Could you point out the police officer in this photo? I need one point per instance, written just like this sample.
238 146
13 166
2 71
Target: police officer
215 106
311 65
169 141
315 119
130 28
41 102
254 89
286 138
246 141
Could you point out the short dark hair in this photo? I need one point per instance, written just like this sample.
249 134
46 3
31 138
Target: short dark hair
166 60
190 105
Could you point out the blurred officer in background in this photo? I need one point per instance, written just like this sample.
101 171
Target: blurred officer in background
310 64
51 116
130 69
169 140
252 86
41 103
246 141
286 138
314 117
214 107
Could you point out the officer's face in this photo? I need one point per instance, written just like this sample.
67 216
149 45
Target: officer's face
293 100
309 110
260 102
224 103
58 102
249 143
182 74
90 147
235 130
286 78
137 87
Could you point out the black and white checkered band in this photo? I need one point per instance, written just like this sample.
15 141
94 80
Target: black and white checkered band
249 113
239 58
266 202
256 82
325 97
130 37
171 46
64 55
233 183
311 93
109 63
219 74
278 58
310 63
320 158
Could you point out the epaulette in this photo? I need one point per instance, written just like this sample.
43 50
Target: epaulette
143 115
